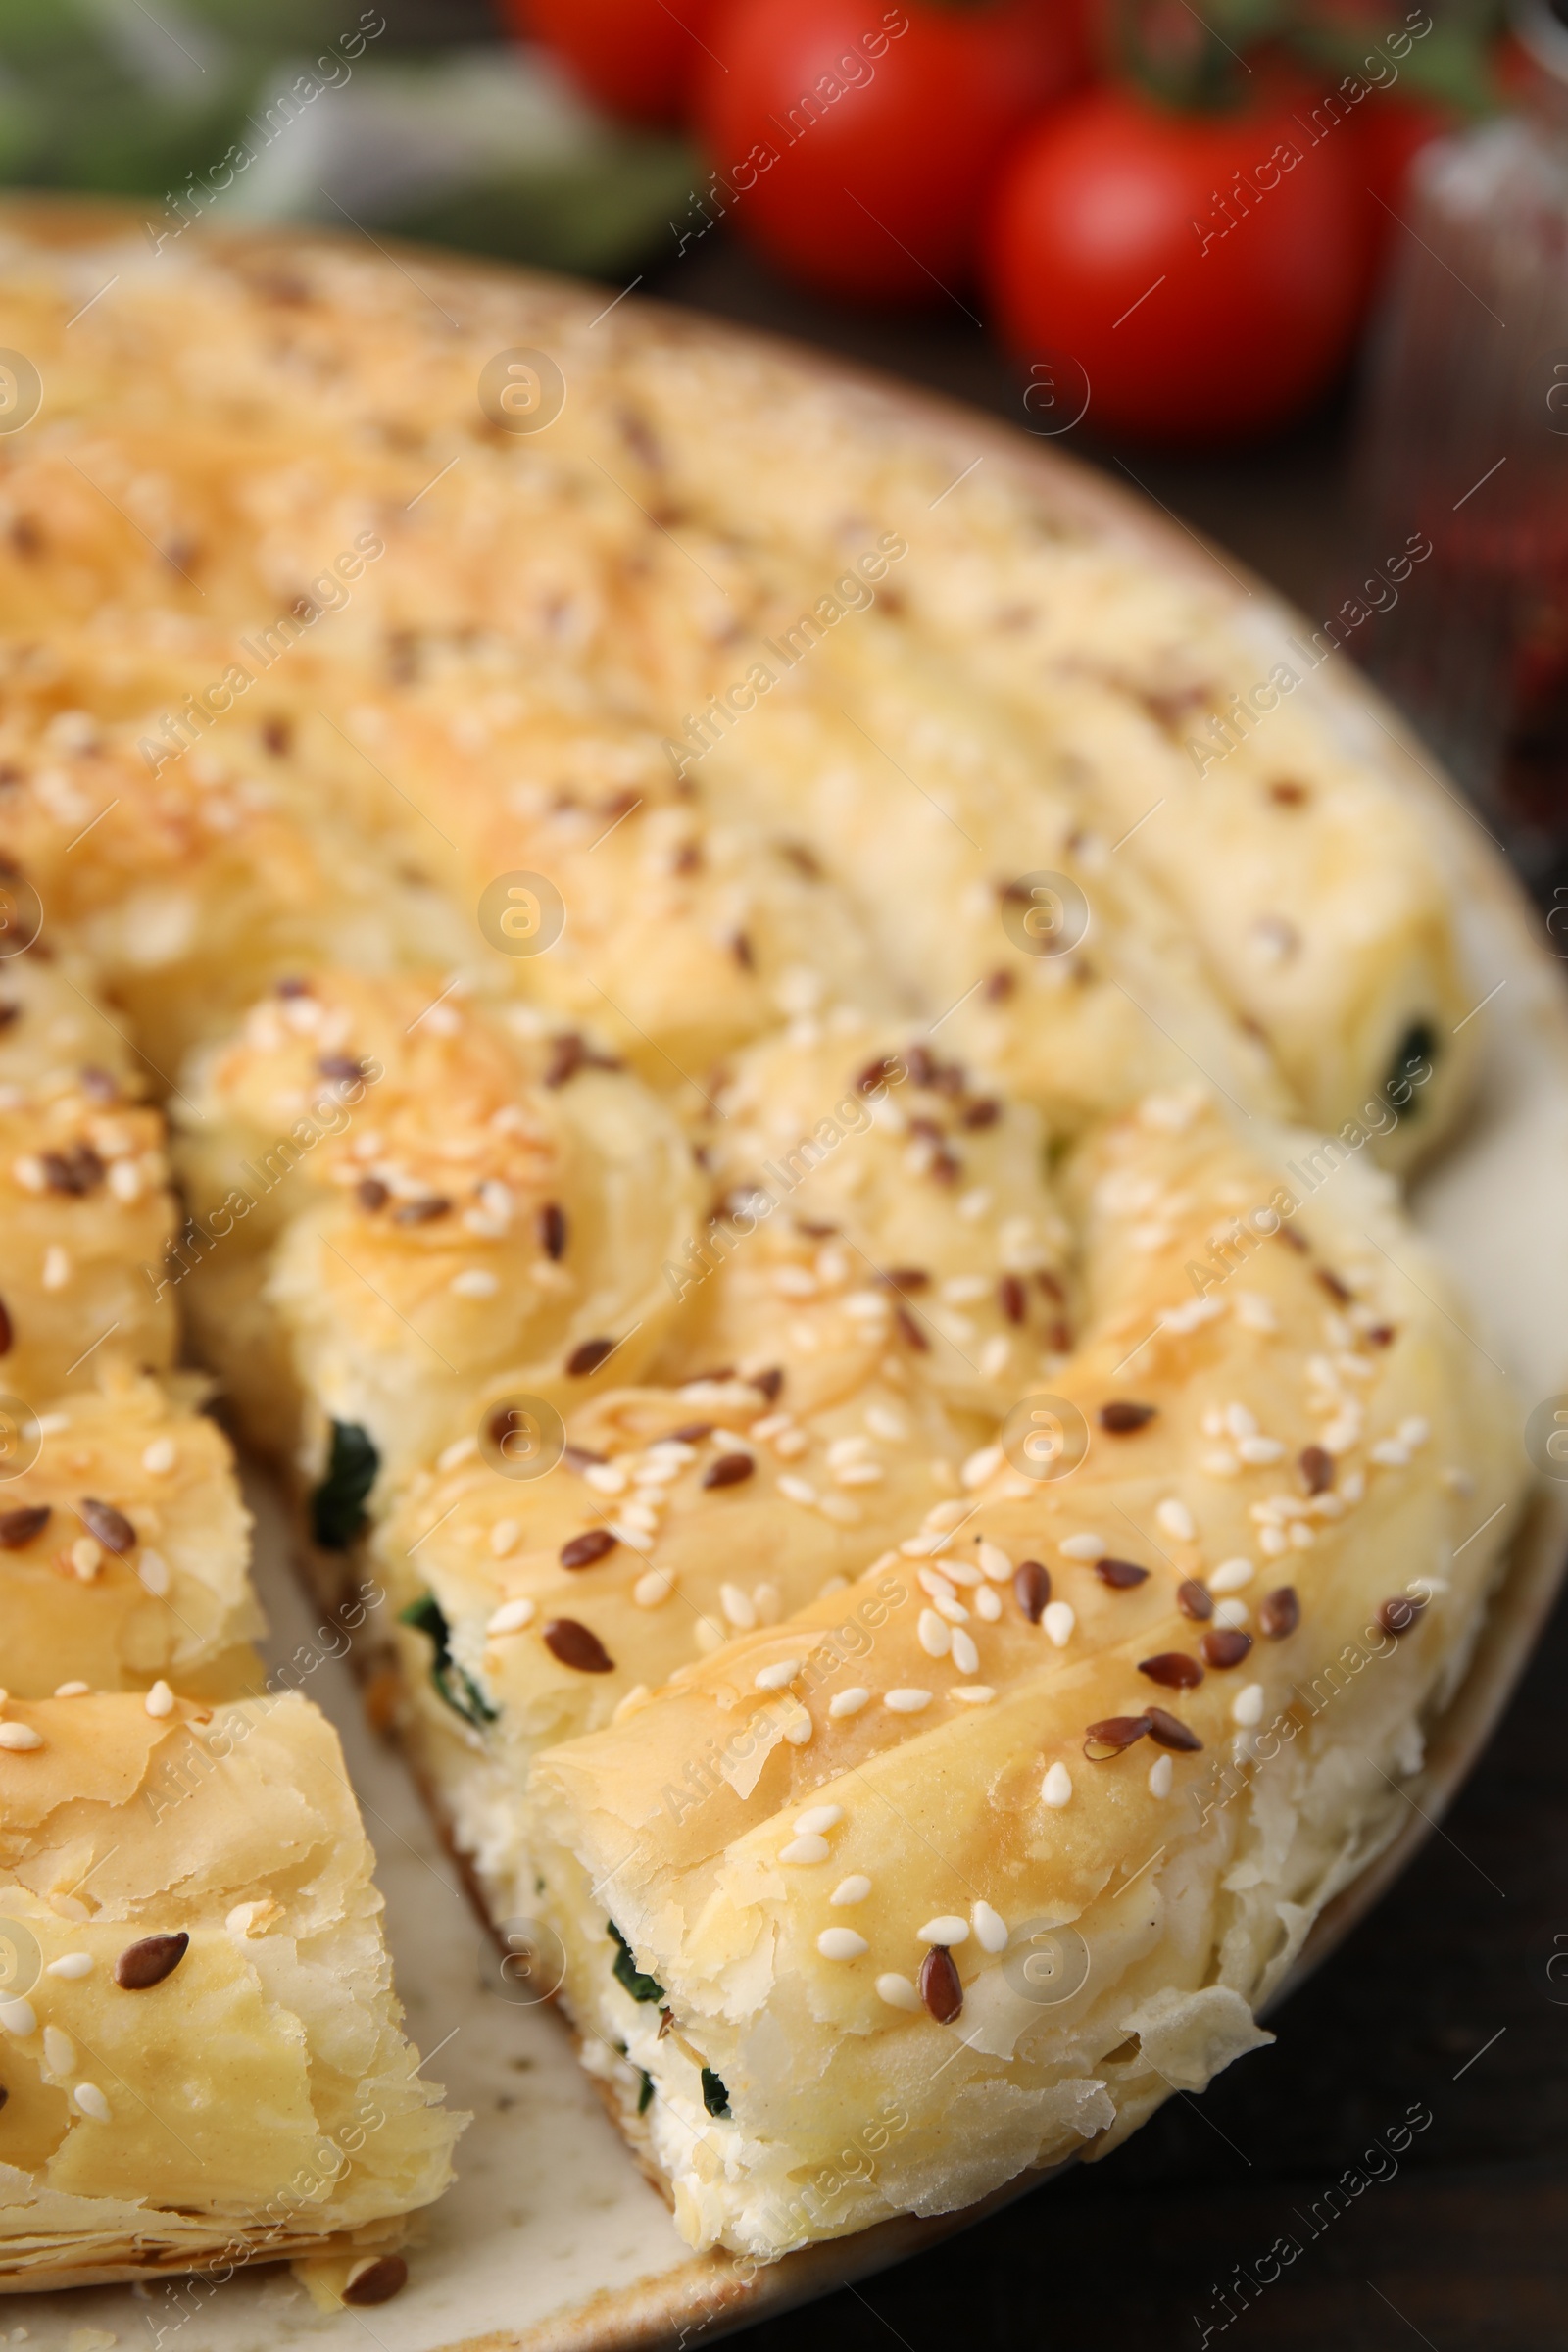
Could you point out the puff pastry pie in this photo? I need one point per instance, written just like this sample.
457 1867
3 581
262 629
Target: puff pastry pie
814 1191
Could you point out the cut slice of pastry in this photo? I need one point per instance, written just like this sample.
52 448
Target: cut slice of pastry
85 1220
433 1200
200 2052
1011 1876
125 1544
537 1607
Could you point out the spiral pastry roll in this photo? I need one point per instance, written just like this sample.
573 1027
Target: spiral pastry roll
1018 1828
202 2056
438 1198
874 1194
535 1608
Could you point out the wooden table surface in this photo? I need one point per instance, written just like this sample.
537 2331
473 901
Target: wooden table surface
1444 2004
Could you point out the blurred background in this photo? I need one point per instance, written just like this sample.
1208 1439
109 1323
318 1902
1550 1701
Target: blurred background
1298 271
1295 268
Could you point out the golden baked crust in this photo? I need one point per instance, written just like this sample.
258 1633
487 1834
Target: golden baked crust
939 987
201 2056
1175 1758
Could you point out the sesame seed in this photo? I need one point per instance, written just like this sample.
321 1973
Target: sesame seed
1176 1520
897 1991
59 2051
1272 1541
19 1736
160 1699
160 1457
1083 1548
461 1449
805 1850
816 1820
991 1929
946 1928
19 2017
56 1268
993 1562
510 1617
964 1655
840 1944
778 1676
1231 1575
72 1690
853 1890
848 1702
988 1604
1160 1774
91 2101
981 1466
153 1570
71 1965
1059 1618
797 1490
934 1635
1246 1707
1232 1612
86 1557
974 1694
475 1282
847 1450
1055 1789
907 1702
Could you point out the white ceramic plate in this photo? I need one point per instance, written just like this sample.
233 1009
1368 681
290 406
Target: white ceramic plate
551 2240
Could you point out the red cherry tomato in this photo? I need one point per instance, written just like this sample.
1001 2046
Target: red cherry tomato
1205 271
856 141
1393 130
636 57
